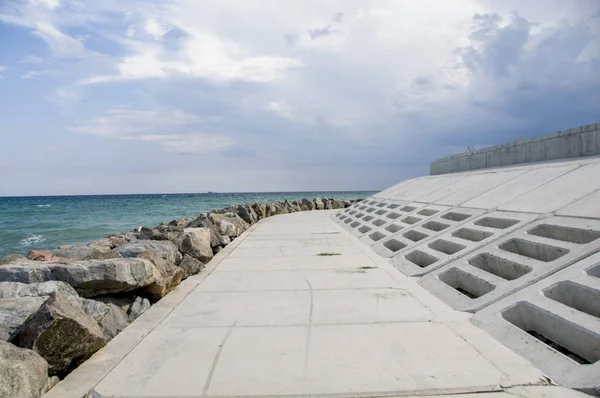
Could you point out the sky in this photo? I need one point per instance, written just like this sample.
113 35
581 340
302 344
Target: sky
148 96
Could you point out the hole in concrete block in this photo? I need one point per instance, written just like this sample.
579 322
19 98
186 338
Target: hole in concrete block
359 215
364 229
467 284
446 246
415 236
410 220
341 217
427 212
376 236
537 251
370 210
379 222
393 216
372 202
393 228
435 226
572 341
582 298
499 266
355 224
420 258
348 220
353 212
362 207
408 209
381 204
594 271
566 234
393 206
473 235
453 216
368 218
497 223
380 212
394 245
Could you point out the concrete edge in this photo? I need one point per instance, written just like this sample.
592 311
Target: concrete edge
84 379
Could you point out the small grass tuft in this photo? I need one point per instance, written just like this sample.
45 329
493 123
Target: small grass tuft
328 254
367 267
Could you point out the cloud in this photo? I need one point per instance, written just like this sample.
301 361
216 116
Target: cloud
173 130
2 68
30 75
50 4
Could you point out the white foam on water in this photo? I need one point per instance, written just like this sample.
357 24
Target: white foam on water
32 239
43 205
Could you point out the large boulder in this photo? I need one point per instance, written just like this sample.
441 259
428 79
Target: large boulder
17 289
229 224
204 221
161 250
260 209
46 255
196 243
114 322
247 214
23 373
319 205
62 333
84 252
89 278
190 266
307 205
137 308
289 207
12 258
14 312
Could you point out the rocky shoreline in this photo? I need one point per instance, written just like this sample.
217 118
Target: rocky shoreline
58 307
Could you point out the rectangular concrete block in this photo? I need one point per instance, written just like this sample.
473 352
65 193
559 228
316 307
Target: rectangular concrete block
513 262
555 324
452 243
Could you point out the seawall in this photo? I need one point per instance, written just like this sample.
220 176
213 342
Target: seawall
573 143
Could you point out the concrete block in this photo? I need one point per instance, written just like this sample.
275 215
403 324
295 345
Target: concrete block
365 225
423 229
463 237
398 219
513 262
555 324
587 206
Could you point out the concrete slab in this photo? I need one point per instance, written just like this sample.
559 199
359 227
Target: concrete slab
269 324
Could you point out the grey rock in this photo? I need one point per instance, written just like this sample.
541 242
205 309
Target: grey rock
52 382
23 373
113 322
89 278
307 205
260 209
84 252
14 312
162 250
137 308
247 214
17 289
230 224
12 258
121 301
204 221
190 266
61 333
196 243
319 205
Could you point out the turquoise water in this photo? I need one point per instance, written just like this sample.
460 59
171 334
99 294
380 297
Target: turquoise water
44 222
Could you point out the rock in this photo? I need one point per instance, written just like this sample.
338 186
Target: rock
328 203
113 322
62 333
272 209
93 308
23 373
230 224
65 246
45 255
196 243
203 221
247 214
162 250
52 382
308 205
137 308
226 240
289 206
12 258
14 312
180 223
260 209
83 252
121 301
319 205
190 266
89 278
16 289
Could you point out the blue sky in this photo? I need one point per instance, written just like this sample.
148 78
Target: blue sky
137 96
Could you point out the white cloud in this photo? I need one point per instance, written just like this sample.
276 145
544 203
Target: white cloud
2 68
50 4
155 29
30 75
197 143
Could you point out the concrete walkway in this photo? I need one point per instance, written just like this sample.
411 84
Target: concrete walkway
276 318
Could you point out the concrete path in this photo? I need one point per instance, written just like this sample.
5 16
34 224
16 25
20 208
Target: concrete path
277 317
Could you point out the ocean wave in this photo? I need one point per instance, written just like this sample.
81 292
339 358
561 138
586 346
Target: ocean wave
43 205
32 239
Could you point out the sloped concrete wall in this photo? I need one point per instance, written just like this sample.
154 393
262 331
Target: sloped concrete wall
573 143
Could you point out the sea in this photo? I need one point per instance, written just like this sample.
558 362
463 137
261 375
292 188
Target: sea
45 222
